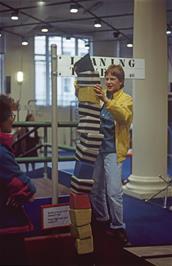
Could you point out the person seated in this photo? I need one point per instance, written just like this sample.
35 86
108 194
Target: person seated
16 188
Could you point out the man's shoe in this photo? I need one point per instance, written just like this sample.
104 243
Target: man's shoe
119 234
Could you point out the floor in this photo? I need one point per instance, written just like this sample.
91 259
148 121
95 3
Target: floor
157 255
141 256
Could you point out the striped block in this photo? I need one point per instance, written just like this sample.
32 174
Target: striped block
85 154
81 185
88 78
83 170
91 140
89 124
80 217
84 246
79 201
81 232
87 109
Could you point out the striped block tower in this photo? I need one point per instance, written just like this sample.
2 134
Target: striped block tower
87 150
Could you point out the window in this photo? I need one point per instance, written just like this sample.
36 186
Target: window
42 58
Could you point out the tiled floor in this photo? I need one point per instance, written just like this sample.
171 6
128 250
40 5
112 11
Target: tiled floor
157 255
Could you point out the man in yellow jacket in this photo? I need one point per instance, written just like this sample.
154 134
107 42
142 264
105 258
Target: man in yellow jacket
116 117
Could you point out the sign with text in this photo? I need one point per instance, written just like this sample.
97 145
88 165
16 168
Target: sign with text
55 216
134 68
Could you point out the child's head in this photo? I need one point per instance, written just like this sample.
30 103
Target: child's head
6 115
116 71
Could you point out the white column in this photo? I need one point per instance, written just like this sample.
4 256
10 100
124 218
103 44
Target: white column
150 100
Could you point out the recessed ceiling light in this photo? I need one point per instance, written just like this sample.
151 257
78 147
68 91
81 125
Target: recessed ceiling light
14 15
25 42
129 45
74 8
44 29
41 3
97 23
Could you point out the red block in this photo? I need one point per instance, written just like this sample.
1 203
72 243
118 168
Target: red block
79 201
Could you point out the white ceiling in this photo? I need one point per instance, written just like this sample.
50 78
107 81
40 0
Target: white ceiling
115 15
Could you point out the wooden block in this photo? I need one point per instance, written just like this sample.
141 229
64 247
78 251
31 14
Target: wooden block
81 232
79 201
80 217
85 154
83 170
84 246
87 94
81 187
89 109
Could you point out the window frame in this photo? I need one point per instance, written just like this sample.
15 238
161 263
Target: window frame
61 102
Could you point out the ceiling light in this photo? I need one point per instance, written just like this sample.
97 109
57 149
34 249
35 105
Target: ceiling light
44 29
14 15
74 8
41 3
129 45
168 31
97 23
24 42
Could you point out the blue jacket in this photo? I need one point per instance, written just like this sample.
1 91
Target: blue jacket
15 186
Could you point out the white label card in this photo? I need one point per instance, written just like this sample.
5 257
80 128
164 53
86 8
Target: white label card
54 216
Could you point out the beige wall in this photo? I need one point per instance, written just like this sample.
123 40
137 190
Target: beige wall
20 58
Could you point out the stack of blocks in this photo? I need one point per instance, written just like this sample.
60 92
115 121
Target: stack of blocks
87 150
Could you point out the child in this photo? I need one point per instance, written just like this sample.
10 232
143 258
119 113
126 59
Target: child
116 117
15 189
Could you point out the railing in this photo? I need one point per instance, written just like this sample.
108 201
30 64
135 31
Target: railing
45 159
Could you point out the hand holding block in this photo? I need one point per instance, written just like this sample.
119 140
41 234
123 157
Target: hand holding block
87 94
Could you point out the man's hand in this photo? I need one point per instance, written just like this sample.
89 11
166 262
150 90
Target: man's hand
100 93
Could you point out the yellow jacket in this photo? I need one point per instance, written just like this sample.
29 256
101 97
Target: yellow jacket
121 107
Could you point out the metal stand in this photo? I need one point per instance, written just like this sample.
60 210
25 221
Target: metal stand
165 189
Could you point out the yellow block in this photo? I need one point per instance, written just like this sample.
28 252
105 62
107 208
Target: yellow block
80 217
81 232
87 94
84 246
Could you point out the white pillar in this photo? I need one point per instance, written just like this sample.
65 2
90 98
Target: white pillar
150 100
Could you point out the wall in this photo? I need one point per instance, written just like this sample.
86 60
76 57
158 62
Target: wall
20 58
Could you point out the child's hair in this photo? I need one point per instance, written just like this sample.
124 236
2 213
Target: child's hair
117 71
5 107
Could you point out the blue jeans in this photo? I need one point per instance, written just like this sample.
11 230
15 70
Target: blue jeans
107 194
